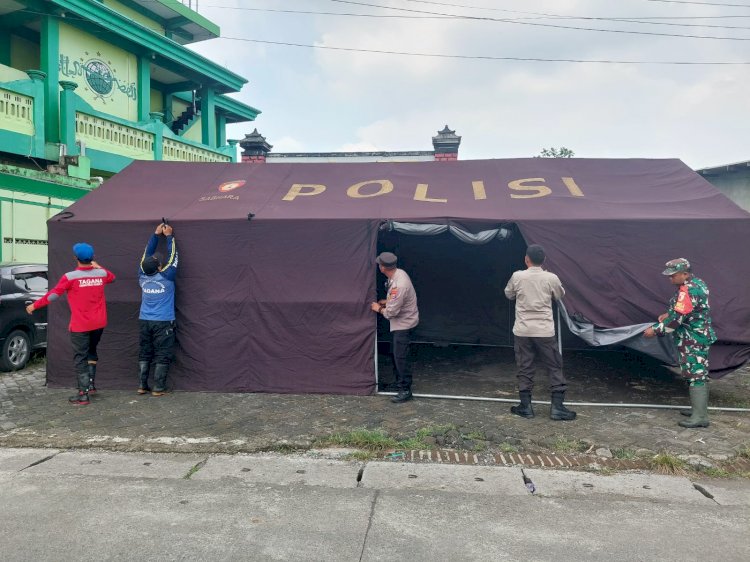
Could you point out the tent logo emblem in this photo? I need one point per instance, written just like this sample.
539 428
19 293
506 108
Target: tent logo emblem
231 185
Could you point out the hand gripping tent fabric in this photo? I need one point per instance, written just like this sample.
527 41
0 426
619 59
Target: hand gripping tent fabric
277 260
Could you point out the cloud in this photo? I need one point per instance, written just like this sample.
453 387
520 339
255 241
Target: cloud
332 100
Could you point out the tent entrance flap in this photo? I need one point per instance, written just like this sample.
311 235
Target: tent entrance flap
662 349
459 276
464 235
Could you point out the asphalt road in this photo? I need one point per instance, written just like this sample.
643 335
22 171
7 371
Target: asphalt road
89 505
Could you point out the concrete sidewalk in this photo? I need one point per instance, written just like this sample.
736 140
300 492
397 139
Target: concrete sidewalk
95 505
34 416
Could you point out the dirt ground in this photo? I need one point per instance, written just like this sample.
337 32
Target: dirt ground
606 376
33 415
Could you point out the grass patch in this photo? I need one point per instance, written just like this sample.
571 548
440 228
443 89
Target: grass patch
283 448
37 359
668 464
194 469
714 472
507 448
476 436
744 452
480 447
624 454
366 439
412 443
433 430
361 456
565 445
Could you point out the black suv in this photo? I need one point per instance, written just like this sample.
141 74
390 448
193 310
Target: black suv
20 332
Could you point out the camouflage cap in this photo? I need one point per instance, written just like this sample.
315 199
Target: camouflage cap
676 266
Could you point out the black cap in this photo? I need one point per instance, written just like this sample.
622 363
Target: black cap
387 259
150 265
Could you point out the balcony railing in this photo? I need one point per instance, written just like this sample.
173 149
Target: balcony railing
192 4
177 150
111 142
17 112
108 136
116 140
22 112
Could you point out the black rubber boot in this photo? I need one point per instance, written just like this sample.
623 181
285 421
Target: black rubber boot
160 379
143 370
558 411
524 409
92 377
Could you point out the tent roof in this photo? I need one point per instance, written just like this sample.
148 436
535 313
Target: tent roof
509 190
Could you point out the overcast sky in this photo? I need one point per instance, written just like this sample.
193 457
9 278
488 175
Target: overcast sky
326 100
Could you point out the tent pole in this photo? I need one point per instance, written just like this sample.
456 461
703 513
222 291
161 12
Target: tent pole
375 355
600 404
559 331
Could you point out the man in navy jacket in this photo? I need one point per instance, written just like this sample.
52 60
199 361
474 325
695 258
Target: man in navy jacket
157 318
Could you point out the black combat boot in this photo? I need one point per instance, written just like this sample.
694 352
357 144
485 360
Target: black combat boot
402 396
524 409
160 379
143 367
81 398
558 411
92 376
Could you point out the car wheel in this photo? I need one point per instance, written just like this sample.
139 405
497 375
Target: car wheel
16 351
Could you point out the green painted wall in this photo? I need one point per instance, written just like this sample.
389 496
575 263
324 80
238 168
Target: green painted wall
107 76
24 54
9 74
5 48
27 199
134 15
178 107
23 225
194 133
157 100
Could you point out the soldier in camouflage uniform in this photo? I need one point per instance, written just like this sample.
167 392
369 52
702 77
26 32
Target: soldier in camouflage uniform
689 321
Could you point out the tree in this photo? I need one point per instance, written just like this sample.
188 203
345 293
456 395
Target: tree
552 152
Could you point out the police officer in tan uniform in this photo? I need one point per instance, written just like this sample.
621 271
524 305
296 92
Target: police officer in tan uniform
400 308
534 289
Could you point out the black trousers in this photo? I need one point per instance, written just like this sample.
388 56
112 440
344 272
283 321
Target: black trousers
84 350
157 339
400 350
543 351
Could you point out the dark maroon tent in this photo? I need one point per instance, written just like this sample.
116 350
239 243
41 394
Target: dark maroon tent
277 260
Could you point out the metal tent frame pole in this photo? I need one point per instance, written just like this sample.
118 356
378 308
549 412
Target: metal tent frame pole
599 404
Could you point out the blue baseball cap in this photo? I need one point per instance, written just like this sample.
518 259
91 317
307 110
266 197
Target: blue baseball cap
83 251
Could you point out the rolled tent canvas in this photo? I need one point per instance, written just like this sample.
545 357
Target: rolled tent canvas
277 270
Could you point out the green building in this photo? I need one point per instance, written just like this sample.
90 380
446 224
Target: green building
86 86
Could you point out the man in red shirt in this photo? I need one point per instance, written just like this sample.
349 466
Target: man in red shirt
88 314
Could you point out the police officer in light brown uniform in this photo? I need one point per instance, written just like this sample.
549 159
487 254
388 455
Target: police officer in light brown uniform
534 289
400 308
